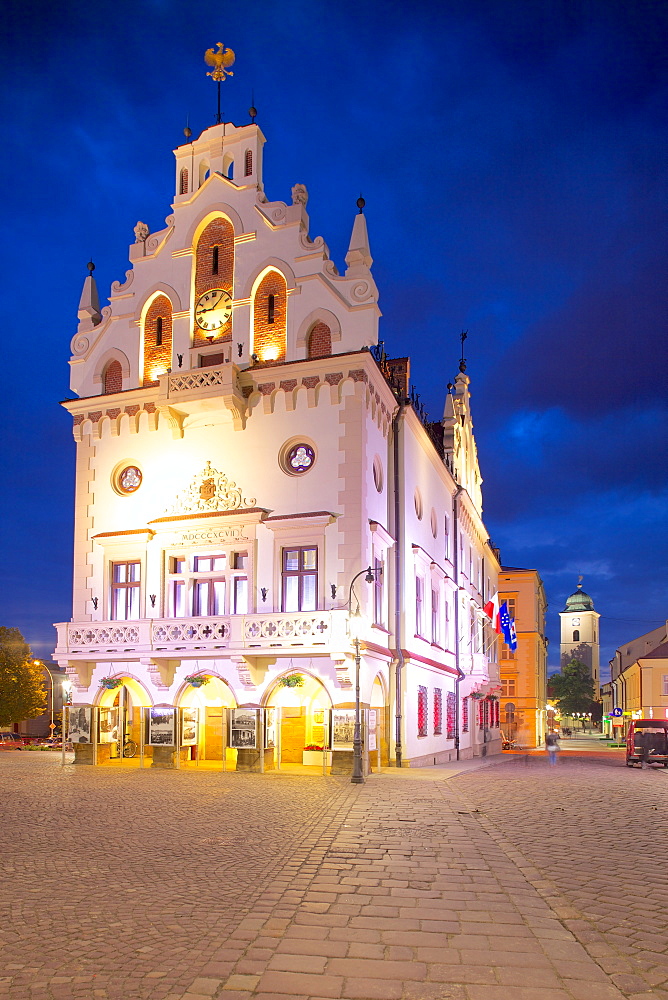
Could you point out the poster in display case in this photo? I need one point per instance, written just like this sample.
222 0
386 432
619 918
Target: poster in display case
343 728
371 738
79 724
161 727
270 728
108 725
243 727
189 727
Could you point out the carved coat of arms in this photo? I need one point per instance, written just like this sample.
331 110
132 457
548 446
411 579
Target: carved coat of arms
210 490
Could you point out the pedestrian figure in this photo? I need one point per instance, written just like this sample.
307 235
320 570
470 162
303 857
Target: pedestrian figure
552 745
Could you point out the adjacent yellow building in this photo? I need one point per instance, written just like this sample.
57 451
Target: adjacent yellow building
524 671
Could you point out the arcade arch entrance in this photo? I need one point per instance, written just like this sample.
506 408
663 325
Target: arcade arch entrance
302 718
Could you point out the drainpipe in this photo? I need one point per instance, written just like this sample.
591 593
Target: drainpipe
455 563
397 421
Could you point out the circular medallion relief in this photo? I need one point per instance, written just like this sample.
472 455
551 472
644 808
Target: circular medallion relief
300 458
127 479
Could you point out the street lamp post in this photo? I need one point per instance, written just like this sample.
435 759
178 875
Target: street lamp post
356 627
38 663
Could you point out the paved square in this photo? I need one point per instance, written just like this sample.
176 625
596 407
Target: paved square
512 881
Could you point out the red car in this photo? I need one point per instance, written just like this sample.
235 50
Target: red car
10 741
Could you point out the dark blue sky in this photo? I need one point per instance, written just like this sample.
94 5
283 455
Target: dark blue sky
513 160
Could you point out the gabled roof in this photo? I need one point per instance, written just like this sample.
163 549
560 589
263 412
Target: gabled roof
660 653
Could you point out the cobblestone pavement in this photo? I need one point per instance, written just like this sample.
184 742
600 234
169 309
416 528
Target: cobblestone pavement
514 881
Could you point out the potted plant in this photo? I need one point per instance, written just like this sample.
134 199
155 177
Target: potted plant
477 694
291 681
312 755
197 680
110 683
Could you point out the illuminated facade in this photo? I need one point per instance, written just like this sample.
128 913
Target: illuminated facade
524 670
639 679
244 449
580 638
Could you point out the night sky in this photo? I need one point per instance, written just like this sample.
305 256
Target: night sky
512 156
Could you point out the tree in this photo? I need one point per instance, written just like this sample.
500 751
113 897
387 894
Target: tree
22 692
573 688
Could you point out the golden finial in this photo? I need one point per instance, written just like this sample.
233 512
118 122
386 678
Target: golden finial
220 60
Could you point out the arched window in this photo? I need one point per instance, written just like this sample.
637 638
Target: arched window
113 378
269 317
215 252
320 341
576 635
248 163
204 171
157 339
183 182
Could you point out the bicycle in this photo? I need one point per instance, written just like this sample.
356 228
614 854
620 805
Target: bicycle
129 748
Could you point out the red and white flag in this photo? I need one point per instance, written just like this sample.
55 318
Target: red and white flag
491 609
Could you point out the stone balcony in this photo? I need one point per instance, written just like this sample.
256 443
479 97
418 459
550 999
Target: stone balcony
310 633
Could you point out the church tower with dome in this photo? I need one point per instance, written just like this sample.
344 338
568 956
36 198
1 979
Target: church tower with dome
580 633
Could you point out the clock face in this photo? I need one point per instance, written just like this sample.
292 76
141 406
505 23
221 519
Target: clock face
213 309
575 621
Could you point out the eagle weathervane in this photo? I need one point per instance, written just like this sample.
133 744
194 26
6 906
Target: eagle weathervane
220 60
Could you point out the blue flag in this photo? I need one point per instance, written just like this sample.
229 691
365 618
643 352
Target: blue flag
513 635
507 627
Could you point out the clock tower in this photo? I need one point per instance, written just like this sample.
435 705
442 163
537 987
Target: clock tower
580 635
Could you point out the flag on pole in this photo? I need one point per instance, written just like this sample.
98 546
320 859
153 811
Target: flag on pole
506 626
491 609
513 636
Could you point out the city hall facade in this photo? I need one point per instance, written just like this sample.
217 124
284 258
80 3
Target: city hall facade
245 450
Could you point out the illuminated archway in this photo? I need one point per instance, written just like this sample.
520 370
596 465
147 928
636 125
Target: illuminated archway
203 715
304 714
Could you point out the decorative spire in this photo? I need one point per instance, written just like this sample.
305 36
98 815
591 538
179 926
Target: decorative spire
462 361
220 60
358 258
252 111
89 304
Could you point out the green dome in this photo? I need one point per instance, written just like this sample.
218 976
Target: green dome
579 601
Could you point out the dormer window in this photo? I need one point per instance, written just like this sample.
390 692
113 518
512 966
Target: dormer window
271 308
214 260
248 163
158 331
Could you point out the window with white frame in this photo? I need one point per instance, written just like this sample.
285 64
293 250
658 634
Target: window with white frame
378 592
665 686
300 578
419 605
435 617
207 585
125 591
508 687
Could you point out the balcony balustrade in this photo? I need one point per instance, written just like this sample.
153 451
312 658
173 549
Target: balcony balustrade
317 631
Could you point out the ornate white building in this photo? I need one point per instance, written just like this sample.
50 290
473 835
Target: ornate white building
244 450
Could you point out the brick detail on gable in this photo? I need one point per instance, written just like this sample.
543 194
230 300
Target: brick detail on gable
269 339
266 388
358 375
112 380
218 233
288 384
157 357
334 378
320 341
310 381
132 410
